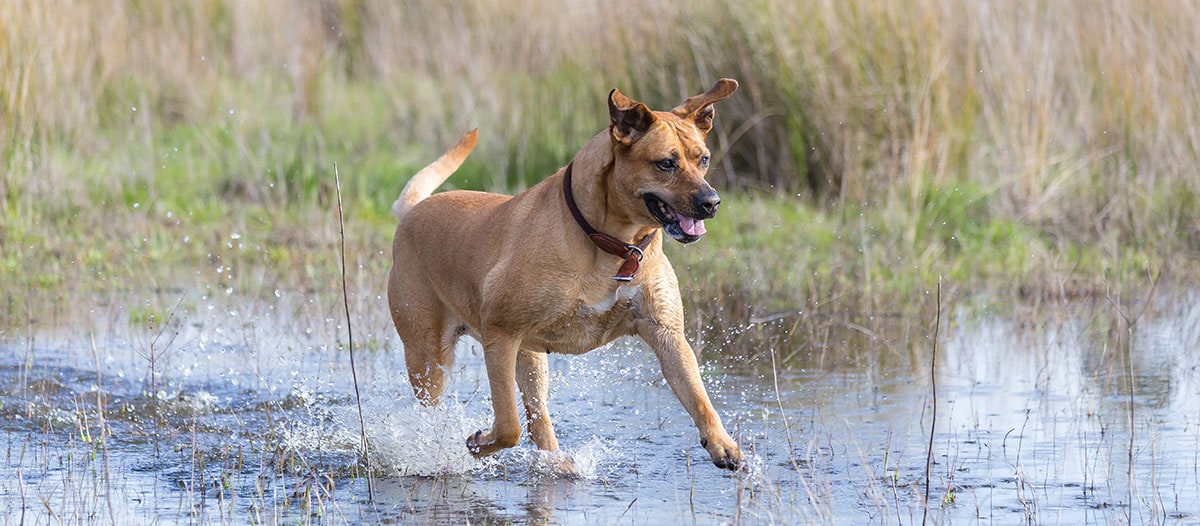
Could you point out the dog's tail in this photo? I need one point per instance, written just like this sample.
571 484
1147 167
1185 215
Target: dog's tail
430 177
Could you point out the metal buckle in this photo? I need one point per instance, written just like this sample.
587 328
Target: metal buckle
637 251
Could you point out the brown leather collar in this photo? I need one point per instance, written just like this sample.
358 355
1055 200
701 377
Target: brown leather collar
632 254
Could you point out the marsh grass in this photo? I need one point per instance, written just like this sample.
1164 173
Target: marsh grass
160 158
1032 152
1027 151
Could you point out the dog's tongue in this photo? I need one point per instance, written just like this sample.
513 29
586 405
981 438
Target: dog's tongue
692 227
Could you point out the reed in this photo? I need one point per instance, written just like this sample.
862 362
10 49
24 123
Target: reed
1032 150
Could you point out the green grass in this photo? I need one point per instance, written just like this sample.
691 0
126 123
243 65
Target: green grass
872 149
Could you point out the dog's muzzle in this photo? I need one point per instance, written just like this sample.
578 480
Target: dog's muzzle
680 227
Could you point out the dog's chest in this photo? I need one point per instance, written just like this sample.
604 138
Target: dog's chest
590 324
621 299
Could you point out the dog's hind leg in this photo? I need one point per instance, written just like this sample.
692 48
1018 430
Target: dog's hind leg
426 332
427 362
428 353
533 378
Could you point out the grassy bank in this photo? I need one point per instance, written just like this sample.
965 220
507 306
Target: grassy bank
1024 152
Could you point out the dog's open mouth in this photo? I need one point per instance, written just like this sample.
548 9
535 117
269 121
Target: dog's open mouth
680 227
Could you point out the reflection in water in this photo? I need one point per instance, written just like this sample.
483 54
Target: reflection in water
252 419
1053 409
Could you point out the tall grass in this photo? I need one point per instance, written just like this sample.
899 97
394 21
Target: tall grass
1065 131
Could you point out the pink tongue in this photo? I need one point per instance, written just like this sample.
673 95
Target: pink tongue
692 227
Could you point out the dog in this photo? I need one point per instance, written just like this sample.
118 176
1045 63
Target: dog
564 267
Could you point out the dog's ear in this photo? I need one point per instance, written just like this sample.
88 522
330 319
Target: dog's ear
700 107
630 118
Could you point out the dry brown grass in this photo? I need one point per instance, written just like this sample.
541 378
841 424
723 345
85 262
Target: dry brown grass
1073 114
1071 123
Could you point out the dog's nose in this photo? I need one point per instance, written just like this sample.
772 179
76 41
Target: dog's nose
707 202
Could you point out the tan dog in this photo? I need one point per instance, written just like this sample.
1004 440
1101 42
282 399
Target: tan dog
522 275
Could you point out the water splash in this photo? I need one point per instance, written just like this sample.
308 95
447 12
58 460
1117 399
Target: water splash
409 439
419 440
592 456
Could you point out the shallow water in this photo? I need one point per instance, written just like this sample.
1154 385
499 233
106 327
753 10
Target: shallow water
250 416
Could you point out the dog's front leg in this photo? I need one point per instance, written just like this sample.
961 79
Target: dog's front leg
682 372
533 377
500 355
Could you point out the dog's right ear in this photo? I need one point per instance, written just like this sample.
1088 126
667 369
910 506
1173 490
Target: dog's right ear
630 118
699 108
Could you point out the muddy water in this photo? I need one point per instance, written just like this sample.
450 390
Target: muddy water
248 414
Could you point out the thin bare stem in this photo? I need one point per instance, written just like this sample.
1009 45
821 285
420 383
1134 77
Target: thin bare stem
362 423
787 428
937 325
155 352
103 430
1130 322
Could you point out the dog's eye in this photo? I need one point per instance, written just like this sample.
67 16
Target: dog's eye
704 162
665 165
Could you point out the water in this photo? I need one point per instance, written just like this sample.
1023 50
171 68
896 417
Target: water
249 415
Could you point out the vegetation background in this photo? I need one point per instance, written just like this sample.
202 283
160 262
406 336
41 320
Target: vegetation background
1022 151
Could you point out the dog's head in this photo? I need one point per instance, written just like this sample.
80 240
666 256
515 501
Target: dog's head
660 161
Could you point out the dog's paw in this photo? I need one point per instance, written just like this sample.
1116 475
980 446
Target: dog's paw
474 443
724 452
483 444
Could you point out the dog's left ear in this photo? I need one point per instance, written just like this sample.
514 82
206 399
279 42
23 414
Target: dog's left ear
630 118
700 107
